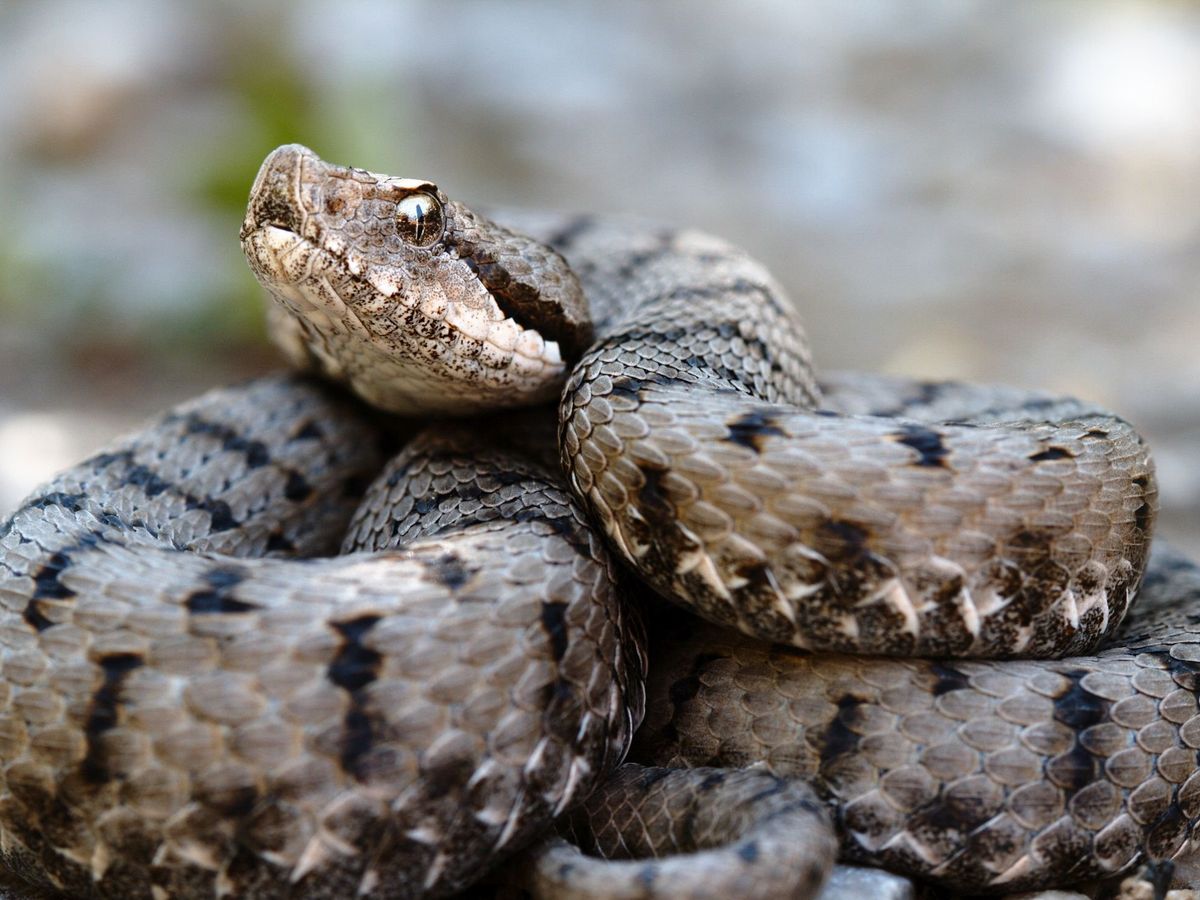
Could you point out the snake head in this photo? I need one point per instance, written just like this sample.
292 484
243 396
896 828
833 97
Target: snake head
414 300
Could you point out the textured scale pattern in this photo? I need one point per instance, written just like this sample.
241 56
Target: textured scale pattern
184 716
1009 531
737 833
413 329
975 774
198 700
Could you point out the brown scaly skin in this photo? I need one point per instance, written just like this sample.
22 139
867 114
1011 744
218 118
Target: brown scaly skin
194 706
978 775
698 437
462 316
690 833
184 718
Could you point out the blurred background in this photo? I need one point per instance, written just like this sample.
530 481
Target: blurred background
976 190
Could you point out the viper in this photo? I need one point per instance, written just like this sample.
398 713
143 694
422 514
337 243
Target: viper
247 654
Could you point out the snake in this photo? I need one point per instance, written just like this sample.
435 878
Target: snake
275 645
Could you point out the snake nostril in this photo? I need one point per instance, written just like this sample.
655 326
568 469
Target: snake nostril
274 197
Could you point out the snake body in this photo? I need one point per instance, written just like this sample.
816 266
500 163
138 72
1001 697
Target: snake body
198 701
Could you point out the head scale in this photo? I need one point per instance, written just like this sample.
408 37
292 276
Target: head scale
412 299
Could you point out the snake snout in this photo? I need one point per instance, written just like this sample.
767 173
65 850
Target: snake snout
275 196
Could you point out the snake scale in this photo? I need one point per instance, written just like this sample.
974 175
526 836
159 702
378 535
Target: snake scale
202 697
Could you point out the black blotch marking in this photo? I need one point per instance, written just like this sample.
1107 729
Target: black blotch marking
357 738
652 776
218 511
948 679
33 615
748 851
664 245
1040 404
1032 575
104 460
256 452
927 393
46 585
757 575
837 738
216 597
570 232
297 488
721 371
232 804
354 667
712 780
849 540
69 502
450 571
739 287
777 786
630 386
1141 517
926 441
1051 453
750 429
277 543
150 482
1166 832
103 713
112 520
564 526
310 430
1077 768
653 502
196 424
1078 708
1160 873
554 623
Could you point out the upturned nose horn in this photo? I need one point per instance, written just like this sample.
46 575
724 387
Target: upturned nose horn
274 198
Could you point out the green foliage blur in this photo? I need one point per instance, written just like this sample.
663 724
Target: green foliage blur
130 166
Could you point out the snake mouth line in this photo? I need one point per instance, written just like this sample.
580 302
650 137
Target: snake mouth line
298 272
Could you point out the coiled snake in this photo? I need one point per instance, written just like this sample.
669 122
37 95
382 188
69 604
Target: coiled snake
199 700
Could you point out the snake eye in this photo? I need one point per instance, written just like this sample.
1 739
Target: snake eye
419 219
